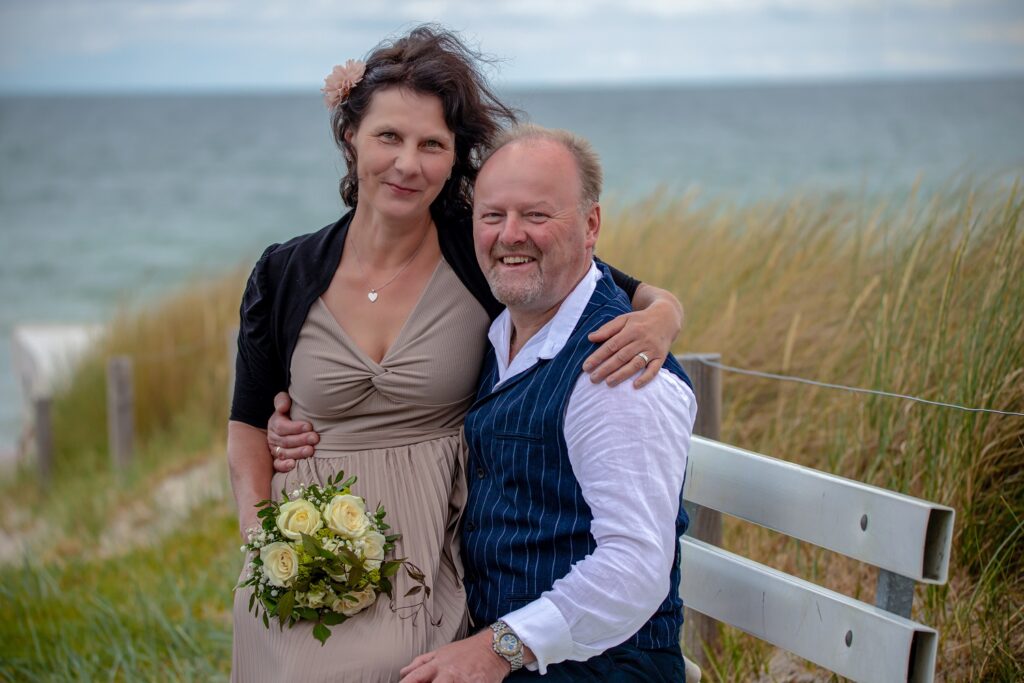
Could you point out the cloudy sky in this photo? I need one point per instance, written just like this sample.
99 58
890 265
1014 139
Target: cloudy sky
63 45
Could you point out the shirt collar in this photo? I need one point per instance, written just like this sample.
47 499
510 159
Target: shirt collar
550 339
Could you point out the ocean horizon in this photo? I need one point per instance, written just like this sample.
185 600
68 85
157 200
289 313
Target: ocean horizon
108 199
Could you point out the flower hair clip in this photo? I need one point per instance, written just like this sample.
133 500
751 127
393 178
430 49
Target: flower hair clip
341 80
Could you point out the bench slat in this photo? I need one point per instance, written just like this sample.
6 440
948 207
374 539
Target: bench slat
808 620
903 534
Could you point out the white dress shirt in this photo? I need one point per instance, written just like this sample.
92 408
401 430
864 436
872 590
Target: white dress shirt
628 449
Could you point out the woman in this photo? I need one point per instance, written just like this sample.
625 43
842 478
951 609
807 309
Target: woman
376 326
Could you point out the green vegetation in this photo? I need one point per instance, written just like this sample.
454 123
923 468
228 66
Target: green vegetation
925 297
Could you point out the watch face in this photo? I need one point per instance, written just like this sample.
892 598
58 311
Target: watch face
508 643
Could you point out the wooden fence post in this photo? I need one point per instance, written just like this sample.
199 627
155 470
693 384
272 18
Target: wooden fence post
43 423
701 632
894 593
120 410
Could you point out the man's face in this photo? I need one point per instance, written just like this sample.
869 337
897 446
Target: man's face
533 242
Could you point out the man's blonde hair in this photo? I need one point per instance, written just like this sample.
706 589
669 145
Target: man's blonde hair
588 164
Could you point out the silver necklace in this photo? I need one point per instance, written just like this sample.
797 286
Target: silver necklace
375 291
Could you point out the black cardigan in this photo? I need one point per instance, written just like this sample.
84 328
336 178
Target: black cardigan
286 281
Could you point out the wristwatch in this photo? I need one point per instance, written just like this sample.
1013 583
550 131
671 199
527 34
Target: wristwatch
506 644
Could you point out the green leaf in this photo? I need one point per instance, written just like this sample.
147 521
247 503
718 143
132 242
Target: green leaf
310 545
321 633
308 613
252 600
350 557
266 621
414 573
333 619
413 591
390 568
284 606
385 587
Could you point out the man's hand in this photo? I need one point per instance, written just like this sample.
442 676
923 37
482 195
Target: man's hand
288 440
468 660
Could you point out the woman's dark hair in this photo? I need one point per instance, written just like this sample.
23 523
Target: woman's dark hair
430 61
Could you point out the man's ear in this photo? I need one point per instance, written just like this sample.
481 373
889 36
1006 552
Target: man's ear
593 225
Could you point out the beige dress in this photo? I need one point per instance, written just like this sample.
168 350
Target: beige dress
397 426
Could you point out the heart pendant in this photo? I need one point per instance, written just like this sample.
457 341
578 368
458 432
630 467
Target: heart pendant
372 295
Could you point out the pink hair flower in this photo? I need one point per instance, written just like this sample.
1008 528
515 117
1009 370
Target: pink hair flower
340 82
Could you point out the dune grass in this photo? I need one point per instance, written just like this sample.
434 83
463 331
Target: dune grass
924 297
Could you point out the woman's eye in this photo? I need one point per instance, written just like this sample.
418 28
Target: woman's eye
433 144
387 136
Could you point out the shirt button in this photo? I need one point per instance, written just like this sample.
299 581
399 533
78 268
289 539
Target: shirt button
480 474
470 526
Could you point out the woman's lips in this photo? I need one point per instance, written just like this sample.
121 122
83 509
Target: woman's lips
400 190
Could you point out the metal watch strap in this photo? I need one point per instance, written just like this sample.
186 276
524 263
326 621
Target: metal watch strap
515 659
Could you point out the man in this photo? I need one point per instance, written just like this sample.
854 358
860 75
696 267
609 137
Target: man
570 532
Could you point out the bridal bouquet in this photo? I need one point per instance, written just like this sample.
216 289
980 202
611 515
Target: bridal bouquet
319 555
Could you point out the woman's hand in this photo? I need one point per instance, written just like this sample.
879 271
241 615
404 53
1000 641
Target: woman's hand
649 330
288 440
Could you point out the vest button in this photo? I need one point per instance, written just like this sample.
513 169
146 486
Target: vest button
480 474
470 526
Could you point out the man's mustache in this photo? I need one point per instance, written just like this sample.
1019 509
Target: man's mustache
525 248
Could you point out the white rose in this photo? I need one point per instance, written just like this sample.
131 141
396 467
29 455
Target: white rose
346 516
372 547
315 598
355 602
280 563
298 517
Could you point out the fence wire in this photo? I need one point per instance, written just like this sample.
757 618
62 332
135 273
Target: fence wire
856 390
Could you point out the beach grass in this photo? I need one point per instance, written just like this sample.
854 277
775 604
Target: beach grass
921 296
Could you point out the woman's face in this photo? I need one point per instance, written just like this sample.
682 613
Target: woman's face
404 153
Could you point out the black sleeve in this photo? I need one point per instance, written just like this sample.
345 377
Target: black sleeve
258 371
626 283
456 238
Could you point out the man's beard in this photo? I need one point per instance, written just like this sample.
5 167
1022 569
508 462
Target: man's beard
520 291
523 292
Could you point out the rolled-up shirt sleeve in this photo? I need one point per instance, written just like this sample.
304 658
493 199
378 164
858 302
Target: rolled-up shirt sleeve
628 450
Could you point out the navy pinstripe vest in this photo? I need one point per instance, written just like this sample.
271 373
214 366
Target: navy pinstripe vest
526 522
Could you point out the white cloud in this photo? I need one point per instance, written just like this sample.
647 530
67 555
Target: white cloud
916 61
1012 33
541 40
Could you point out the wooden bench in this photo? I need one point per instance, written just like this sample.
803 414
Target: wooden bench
906 538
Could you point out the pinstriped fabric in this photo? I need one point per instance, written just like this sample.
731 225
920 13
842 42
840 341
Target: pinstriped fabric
397 426
526 522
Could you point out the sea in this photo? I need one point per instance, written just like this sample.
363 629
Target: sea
112 200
